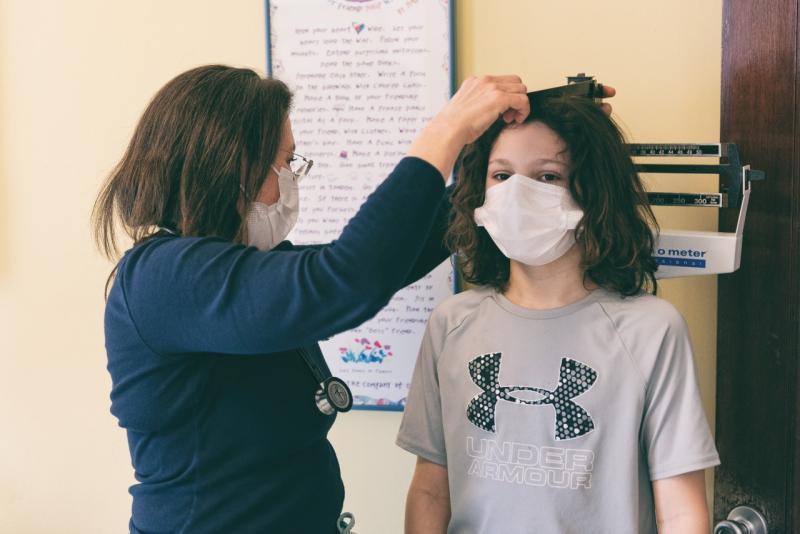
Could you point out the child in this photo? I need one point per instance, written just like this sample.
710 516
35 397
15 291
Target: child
559 396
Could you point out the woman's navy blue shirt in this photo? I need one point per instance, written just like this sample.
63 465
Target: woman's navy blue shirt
202 339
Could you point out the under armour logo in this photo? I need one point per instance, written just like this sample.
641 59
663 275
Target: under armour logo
575 378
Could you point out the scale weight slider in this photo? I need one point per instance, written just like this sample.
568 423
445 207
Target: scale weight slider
701 200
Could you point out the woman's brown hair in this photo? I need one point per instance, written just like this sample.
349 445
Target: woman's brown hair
616 233
203 145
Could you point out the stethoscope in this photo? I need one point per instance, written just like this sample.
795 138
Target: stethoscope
333 394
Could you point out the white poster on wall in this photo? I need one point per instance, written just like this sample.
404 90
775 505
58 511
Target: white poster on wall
367 76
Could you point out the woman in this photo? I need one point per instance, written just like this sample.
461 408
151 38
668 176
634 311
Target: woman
559 397
203 332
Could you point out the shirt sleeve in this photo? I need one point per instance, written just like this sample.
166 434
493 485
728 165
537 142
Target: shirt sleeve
675 433
206 295
421 430
434 251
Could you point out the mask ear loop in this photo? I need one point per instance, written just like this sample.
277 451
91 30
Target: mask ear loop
245 209
244 193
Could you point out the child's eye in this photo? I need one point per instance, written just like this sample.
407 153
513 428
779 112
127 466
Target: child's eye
549 177
501 176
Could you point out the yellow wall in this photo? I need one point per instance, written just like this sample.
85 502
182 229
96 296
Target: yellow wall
74 78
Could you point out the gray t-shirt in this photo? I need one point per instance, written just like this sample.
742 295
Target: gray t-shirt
556 421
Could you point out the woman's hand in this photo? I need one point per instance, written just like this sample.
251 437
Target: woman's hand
608 92
481 100
475 106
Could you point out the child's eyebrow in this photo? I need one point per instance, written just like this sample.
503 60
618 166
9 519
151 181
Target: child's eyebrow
501 161
553 161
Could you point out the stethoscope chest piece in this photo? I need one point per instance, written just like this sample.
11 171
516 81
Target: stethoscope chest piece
333 396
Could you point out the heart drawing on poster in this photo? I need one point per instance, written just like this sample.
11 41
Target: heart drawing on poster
359 27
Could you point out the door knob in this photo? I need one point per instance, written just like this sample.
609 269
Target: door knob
742 520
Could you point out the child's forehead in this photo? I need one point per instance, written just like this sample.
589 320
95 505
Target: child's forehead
529 141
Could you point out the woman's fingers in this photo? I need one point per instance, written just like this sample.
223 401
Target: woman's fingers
518 108
506 78
503 78
478 84
608 92
482 99
513 87
509 116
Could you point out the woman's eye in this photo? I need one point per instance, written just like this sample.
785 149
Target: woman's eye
549 177
501 176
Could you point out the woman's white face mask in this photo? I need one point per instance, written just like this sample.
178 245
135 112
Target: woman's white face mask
268 225
529 221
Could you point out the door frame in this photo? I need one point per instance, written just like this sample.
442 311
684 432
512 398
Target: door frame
758 307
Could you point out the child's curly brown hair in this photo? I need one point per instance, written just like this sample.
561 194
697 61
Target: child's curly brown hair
618 228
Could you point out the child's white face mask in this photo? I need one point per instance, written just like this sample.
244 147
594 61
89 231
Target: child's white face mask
268 225
529 221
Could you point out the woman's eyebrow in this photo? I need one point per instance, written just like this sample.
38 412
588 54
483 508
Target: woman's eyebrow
500 161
